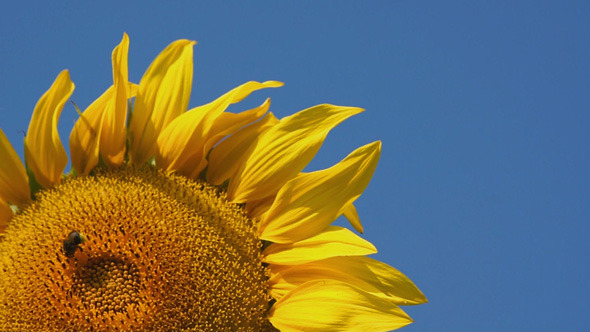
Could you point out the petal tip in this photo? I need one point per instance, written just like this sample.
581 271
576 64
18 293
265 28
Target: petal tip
273 84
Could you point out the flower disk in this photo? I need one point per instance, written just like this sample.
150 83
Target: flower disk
162 252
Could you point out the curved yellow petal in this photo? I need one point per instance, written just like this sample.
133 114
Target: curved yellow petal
247 88
14 182
44 152
332 242
228 155
280 153
85 134
366 273
180 145
113 135
84 138
5 215
350 213
329 305
228 123
310 202
164 93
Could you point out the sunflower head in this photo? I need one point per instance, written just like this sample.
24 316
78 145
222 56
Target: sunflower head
154 243
177 219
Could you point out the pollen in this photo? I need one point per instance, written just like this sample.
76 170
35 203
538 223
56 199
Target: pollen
161 253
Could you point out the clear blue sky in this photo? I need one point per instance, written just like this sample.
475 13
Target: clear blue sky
482 194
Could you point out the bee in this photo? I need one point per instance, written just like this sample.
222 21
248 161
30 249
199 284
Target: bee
72 242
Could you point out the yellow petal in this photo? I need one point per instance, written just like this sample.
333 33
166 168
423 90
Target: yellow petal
311 201
368 274
44 152
247 88
164 92
113 133
283 151
180 145
14 182
332 242
226 157
350 213
328 305
256 209
133 90
5 215
228 123
85 134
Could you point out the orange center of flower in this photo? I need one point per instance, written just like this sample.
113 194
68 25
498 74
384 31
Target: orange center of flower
161 253
109 285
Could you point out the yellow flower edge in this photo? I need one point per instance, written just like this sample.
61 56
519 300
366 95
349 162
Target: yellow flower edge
319 277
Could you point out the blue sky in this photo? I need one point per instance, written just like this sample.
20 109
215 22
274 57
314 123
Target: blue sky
482 194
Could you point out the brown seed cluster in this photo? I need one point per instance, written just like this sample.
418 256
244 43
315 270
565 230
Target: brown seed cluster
107 285
163 253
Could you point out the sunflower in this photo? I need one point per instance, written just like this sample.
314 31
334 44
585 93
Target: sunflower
187 220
